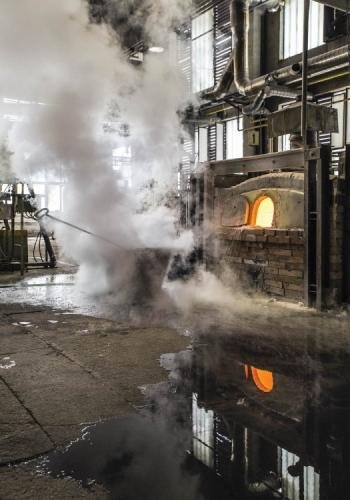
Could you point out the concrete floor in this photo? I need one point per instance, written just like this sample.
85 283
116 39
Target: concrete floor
59 371
63 364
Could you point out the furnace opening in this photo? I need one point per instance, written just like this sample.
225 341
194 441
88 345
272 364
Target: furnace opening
263 212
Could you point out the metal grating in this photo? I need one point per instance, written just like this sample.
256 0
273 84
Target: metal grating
187 158
201 6
212 143
183 56
222 32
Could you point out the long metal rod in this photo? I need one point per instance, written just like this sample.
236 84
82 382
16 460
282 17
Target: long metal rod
44 212
309 177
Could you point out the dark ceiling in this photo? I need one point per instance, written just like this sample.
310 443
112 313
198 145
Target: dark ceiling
126 18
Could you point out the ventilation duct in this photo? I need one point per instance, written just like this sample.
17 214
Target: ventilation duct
258 89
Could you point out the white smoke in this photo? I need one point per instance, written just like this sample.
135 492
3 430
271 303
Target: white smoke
51 54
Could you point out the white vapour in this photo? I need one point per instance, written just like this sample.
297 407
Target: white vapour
52 55
206 289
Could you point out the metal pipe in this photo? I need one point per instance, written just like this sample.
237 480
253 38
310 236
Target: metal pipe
283 75
304 72
239 14
315 64
237 68
326 78
280 91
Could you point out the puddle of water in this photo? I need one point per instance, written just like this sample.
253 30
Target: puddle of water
232 422
55 291
59 292
134 457
6 363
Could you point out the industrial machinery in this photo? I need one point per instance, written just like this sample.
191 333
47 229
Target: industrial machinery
17 208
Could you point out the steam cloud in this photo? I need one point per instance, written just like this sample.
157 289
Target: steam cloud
79 74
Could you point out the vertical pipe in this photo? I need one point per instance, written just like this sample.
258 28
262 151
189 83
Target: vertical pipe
304 72
309 235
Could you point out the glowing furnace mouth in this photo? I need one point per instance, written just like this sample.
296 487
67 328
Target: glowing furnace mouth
263 212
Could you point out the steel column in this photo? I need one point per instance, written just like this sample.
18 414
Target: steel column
346 254
310 220
322 226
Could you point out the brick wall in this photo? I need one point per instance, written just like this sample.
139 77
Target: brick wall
271 259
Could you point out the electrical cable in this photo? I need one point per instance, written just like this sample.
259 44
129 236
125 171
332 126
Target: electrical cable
41 256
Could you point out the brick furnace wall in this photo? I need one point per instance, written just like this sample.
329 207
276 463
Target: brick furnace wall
272 259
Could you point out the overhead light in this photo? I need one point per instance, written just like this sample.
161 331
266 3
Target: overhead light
156 50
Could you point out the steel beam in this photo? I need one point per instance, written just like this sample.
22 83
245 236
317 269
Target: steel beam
285 160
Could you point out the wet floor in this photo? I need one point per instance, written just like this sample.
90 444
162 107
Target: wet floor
257 407
229 423
56 291
65 292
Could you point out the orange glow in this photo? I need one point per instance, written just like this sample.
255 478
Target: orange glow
263 212
263 379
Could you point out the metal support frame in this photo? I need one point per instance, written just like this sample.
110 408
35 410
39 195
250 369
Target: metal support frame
208 215
346 252
14 260
315 164
284 160
322 226
316 228
309 232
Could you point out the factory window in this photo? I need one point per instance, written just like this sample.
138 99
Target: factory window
121 158
335 23
234 139
292 27
202 144
339 103
284 142
263 212
219 141
49 195
203 51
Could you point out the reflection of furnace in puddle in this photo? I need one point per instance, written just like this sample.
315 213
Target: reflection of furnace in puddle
249 424
282 430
